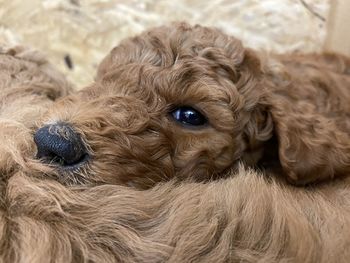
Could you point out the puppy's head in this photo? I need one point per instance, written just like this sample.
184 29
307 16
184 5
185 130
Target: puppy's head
174 101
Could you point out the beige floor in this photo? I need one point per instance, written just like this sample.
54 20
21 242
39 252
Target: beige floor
86 30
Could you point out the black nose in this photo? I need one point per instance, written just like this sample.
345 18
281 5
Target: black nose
60 144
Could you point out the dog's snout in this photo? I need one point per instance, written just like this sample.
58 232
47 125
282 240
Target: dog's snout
60 144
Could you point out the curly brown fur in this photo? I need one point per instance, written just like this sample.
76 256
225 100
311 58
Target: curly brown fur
244 218
240 219
28 86
293 110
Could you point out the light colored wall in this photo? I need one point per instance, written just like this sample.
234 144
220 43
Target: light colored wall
338 33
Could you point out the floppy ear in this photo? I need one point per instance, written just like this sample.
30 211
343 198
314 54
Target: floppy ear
258 127
313 140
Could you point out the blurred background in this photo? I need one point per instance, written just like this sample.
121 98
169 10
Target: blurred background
77 34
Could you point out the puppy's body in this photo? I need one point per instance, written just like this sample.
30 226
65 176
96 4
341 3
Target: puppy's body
240 219
249 105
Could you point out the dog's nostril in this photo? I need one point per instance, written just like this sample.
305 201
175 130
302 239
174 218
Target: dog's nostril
60 144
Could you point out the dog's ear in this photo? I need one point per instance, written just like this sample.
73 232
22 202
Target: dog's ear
313 145
259 127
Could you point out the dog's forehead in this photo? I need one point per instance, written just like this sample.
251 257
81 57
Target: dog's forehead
180 65
164 46
187 82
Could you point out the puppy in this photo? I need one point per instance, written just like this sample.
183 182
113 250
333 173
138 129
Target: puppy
244 218
192 102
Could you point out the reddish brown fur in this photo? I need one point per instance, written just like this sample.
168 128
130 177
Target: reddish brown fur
256 104
28 86
243 218
240 219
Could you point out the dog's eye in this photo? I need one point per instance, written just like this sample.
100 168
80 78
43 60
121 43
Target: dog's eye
188 115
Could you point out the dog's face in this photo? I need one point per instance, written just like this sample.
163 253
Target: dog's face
172 102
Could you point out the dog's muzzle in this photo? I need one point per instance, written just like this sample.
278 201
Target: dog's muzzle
59 144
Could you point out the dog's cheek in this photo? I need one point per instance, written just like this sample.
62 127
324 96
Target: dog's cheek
141 160
204 153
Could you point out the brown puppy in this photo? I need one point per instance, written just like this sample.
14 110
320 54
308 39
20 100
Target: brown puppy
244 218
184 101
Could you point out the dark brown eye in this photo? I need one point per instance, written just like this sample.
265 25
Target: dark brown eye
189 116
